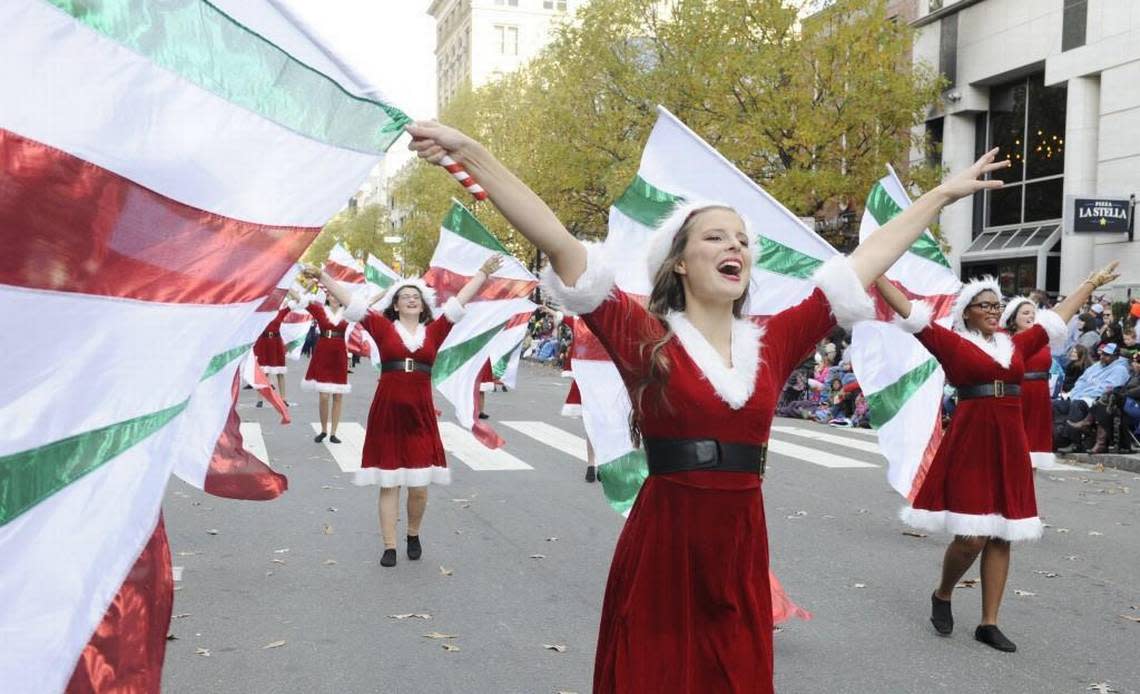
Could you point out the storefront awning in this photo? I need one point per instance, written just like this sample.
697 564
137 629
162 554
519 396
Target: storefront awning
1021 241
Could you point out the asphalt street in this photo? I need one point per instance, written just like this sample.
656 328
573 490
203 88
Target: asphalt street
288 595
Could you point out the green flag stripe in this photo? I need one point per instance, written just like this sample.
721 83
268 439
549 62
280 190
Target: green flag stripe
219 361
886 403
294 344
500 366
450 359
645 204
621 479
780 259
202 44
461 222
378 278
29 477
884 208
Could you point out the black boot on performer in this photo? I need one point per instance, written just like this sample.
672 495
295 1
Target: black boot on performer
990 635
415 551
941 616
389 558
334 439
591 473
320 437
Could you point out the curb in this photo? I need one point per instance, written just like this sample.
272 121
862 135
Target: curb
1129 463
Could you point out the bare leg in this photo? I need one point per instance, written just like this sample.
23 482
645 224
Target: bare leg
324 408
589 452
389 508
995 569
417 504
482 402
960 556
337 403
281 385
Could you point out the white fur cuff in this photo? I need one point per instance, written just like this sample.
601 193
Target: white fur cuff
453 310
849 300
592 288
921 315
1055 328
357 308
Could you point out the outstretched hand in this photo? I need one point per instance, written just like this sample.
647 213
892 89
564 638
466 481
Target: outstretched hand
432 141
1104 275
970 180
311 271
491 265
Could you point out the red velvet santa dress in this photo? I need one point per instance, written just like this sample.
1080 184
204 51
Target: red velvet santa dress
402 446
688 605
328 367
573 405
1036 399
270 348
980 482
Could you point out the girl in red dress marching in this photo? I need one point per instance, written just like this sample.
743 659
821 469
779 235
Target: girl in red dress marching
328 367
980 484
1036 398
402 447
688 603
270 347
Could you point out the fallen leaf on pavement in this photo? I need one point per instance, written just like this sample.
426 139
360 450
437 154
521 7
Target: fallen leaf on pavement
437 635
968 583
283 550
410 615
1094 533
329 562
171 637
1024 593
458 532
1131 618
1046 574
332 509
1062 530
1071 557
188 554
552 539
1101 687
268 574
911 533
538 556
328 529
212 531
278 561
859 585
273 644
450 649
445 571
202 652
556 647
182 616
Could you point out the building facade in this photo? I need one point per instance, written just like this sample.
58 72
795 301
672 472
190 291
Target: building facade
479 40
1055 85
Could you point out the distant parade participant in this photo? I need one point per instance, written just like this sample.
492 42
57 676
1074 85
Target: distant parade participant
328 367
270 347
1036 397
402 446
572 407
979 487
688 603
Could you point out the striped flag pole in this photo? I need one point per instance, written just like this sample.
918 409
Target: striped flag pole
460 174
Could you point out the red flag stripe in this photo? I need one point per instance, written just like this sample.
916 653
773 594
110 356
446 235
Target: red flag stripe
447 284
234 472
71 226
342 273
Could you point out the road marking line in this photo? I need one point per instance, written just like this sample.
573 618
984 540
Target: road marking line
177 570
857 444
552 436
253 441
463 445
347 453
815 456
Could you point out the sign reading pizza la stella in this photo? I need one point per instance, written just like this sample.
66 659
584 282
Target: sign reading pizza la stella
1100 215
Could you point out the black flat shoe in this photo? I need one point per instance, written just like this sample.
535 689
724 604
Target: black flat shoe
389 558
484 415
941 616
320 437
591 473
990 635
334 439
259 403
415 551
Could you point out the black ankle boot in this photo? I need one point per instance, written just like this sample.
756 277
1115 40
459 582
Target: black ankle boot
388 558
990 635
334 439
415 551
941 616
320 437
591 473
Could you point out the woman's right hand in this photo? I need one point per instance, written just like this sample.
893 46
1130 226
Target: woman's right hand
311 271
432 141
970 180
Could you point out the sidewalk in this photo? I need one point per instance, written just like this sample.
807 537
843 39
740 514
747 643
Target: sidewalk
1131 463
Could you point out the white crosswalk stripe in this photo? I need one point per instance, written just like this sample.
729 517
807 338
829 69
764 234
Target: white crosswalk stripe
346 453
253 441
818 435
552 436
463 445
814 455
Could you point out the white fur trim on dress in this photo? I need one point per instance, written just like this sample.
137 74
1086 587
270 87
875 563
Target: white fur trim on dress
921 315
733 385
411 342
1000 348
593 287
572 409
357 309
970 525
567 374
968 293
1055 328
662 239
389 296
402 477
1043 460
487 387
273 370
1013 306
322 387
453 310
847 296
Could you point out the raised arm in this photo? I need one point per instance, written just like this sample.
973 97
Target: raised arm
1073 302
518 203
476 282
875 255
331 286
894 297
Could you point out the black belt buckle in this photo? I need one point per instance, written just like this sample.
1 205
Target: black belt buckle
409 365
707 453
999 389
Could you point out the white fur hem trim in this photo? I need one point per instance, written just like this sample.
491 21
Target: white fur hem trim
572 410
272 370
357 309
1055 328
732 385
970 525
921 315
401 477
322 387
1043 460
847 296
567 374
453 310
592 288
487 387
1000 348
411 342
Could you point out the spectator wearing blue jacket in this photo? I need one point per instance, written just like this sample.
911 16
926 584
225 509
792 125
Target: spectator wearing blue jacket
1109 372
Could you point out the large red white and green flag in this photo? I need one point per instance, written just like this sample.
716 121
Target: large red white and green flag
379 275
901 380
161 169
496 317
677 165
346 269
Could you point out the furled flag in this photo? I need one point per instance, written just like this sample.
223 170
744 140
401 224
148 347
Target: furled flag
900 379
162 169
347 270
378 274
496 317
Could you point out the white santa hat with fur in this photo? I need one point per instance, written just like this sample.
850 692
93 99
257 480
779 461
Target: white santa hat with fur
968 293
662 239
426 292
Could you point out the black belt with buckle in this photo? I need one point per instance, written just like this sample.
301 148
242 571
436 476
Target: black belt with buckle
332 333
681 455
997 389
405 365
1036 376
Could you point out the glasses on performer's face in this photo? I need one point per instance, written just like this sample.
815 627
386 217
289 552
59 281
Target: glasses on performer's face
987 306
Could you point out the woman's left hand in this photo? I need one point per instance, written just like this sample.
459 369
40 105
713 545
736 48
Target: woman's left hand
1104 275
491 265
970 180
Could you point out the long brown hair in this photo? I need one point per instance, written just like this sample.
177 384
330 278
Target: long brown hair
668 294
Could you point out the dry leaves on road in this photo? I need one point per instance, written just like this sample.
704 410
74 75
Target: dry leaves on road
212 531
410 615
1101 687
1131 618
332 509
1062 530
328 529
450 649
556 647
437 635
1024 593
443 571
283 550
1094 533
184 615
967 583
859 585
188 554
278 561
1046 574
273 644
204 652
538 556
912 533
552 539
329 562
